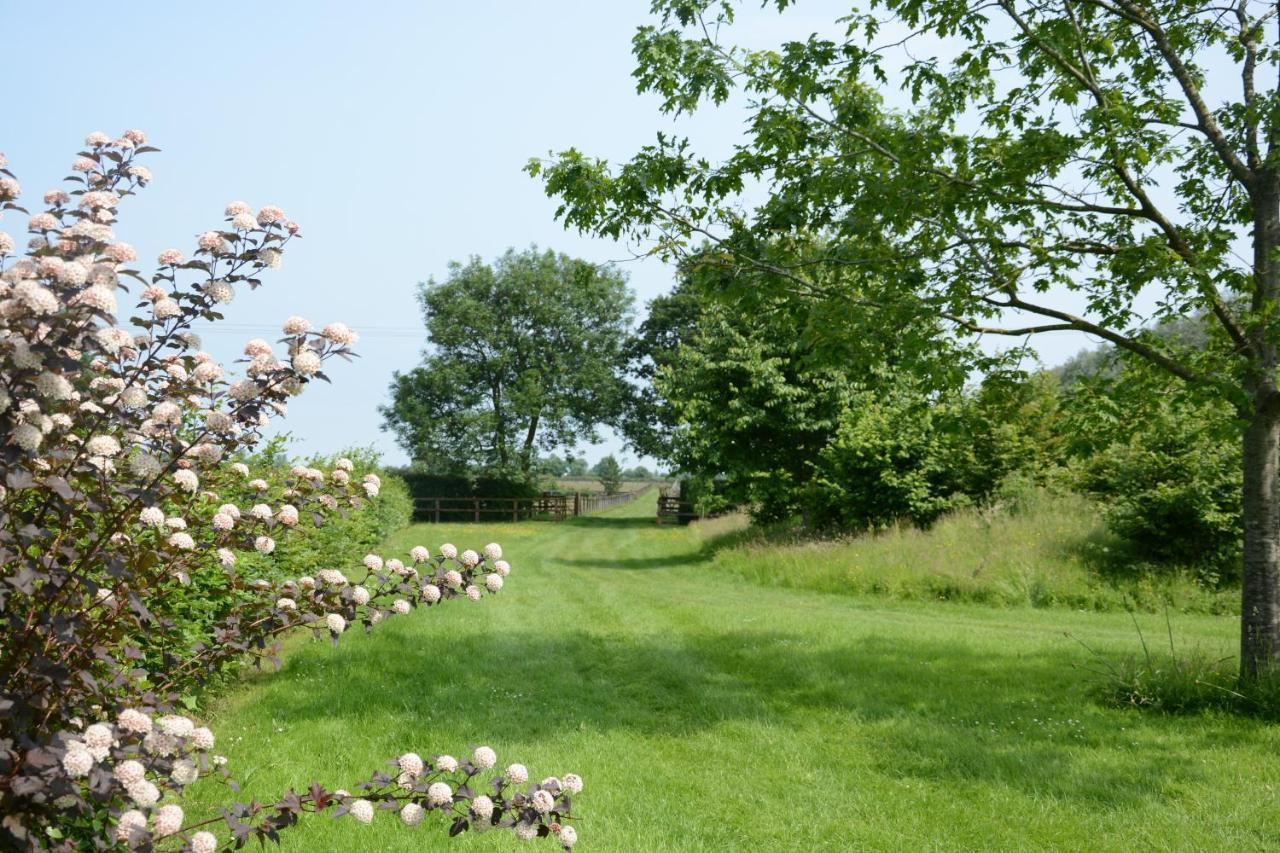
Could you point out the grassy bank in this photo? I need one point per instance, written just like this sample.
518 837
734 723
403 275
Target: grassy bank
1047 551
708 714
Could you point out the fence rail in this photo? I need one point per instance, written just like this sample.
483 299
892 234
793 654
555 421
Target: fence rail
554 507
673 508
585 503
550 507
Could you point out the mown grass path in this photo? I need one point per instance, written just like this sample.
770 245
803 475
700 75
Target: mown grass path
709 714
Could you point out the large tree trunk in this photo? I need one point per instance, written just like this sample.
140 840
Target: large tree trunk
1260 590
1260 602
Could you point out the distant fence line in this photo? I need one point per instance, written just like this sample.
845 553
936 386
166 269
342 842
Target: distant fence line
541 508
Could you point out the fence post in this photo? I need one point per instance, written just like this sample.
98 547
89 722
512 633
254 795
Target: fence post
577 504
515 510
437 503
475 504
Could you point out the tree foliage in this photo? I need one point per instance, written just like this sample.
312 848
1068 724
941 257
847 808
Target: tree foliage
609 472
523 355
1082 147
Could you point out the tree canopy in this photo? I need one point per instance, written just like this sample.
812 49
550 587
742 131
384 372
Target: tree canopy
1058 166
523 355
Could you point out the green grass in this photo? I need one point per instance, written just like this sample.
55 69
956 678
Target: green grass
1047 551
710 714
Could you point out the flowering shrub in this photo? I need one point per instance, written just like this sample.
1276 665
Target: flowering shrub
117 495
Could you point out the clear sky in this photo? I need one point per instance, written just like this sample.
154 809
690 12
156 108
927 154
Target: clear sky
394 132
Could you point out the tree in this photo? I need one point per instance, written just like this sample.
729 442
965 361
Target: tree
1069 153
639 472
523 355
649 422
577 467
610 474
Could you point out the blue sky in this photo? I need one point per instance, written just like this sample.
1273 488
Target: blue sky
394 132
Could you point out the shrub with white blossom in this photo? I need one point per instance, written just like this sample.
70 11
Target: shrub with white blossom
118 492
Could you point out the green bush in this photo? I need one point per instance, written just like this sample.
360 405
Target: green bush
421 485
1166 470
901 455
341 542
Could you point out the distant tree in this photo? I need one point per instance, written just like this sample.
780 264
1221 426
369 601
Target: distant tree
639 472
523 355
551 465
649 422
577 467
610 474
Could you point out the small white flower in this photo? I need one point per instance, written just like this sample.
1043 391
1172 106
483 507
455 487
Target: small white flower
286 604
186 479
264 544
332 577
473 592
453 579
411 763
306 362
98 735
372 562
516 774
202 738
400 606
543 802
502 567
572 783
144 794
184 772
439 794
336 623
483 807
129 772
176 725
568 836
226 557
131 720
493 551
493 582
77 762
526 831
447 763
129 823
484 757
296 326
362 810
360 595
469 558
340 334
204 842
420 554
412 814
168 820
448 551
182 541
431 593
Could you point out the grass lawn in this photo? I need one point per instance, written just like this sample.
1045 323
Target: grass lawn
710 713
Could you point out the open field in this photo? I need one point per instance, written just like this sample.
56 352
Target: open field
588 484
707 713
1050 551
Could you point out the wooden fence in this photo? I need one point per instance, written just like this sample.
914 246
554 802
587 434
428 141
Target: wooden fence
585 503
541 508
673 508
551 507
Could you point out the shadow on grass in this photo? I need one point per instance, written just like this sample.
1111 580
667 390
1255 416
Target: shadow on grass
925 709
